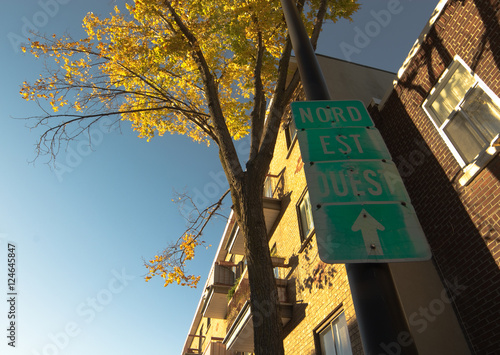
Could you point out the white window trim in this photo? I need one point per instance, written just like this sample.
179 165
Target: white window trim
472 169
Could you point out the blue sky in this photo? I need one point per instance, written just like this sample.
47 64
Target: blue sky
81 233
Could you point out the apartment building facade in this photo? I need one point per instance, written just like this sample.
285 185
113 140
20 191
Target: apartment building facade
440 120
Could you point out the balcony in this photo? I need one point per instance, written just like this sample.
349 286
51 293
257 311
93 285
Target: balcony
221 279
216 348
239 333
236 241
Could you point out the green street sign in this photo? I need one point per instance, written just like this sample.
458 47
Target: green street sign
350 233
345 143
354 181
361 210
328 114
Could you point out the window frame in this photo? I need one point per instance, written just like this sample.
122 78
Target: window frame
489 151
290 136
304 237
268 189
276 269
332 319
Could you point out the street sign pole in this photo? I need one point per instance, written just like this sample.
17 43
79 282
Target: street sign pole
381 319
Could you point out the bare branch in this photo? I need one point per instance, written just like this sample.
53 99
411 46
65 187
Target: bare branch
197 224
50 140
171 262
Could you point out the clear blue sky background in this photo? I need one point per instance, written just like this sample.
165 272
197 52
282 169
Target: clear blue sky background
81 234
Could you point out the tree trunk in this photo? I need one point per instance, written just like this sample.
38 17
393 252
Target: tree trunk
268 329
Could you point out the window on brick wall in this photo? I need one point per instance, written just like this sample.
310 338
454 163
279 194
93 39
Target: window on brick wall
332 336
304 210
268 187
467 115
274 252
290 133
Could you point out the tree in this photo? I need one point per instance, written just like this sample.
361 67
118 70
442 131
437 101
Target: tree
213 70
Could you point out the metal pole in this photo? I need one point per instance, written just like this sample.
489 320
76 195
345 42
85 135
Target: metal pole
310 72
381 319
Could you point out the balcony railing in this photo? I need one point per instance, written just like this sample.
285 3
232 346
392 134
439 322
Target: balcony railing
221 279
239 332
216 348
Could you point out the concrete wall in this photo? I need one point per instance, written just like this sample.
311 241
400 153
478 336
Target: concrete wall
349 81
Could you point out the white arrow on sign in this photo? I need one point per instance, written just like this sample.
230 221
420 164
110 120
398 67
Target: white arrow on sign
368 227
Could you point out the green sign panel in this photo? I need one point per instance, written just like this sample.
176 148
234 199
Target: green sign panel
369 233
344 143
355 181
361 210
328 114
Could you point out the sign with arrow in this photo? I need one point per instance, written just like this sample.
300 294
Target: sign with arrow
368 226
361 210
373 232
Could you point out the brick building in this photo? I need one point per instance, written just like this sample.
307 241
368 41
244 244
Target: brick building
441 123
432 120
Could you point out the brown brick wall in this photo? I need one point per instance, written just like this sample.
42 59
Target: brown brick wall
462 224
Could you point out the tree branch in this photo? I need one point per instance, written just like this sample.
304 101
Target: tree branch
54 133
201 221
276 110
318 22
259 106
283 94
227 150
171 262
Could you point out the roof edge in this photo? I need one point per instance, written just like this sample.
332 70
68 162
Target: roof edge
197 315
415 48
354 63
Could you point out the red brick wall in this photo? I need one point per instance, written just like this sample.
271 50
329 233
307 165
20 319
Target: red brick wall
462 224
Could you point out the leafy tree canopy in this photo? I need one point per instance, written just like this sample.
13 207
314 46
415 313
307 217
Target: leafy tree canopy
140 64
203 68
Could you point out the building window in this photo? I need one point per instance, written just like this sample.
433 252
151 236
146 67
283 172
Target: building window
333 336
290 133
274 252
465 112
305 216
268 187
